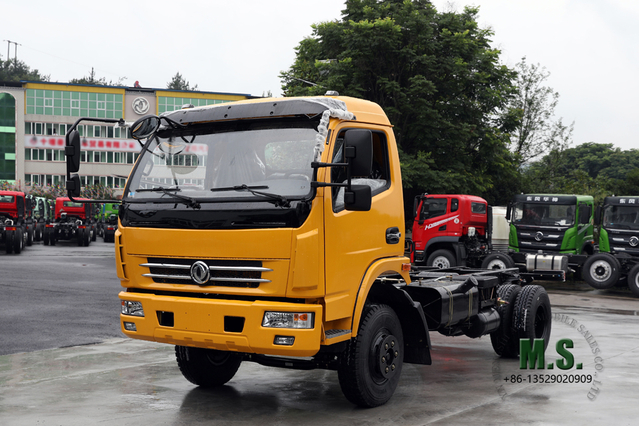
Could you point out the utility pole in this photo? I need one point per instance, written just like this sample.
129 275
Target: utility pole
15 56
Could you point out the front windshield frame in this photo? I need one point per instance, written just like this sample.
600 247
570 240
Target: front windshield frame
279 160
621 217
543 214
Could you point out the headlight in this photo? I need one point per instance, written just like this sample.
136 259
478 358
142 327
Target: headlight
132 308
288 320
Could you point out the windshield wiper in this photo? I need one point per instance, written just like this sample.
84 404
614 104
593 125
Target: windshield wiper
278 200
190 202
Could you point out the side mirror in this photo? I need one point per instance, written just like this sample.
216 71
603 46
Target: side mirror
72 151
584 213
73 186
358 198
358 151
416 205
145 127
508 211
598 215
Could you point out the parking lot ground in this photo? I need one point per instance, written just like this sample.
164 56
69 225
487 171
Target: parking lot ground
126 382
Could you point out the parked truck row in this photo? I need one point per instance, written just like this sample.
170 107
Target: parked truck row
25 219
547 235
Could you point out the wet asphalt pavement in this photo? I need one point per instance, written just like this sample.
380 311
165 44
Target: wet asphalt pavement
118 381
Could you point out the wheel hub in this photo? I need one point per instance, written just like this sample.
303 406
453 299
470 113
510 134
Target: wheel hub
387 352
441 263
601 271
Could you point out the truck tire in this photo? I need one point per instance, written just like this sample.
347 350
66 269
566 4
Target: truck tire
86 237
532 317
505 340
207 367
601 271
497 261
30 237
46 235
370 367
18 240
441 259
633 280
80 236
8 241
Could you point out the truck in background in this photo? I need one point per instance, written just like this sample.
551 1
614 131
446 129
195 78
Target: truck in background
546 234
455 230
42 213
108 221
73 221
268 231
618 257
16 225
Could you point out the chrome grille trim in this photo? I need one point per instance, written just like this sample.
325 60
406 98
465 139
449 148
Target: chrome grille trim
212 268
212 279
221 275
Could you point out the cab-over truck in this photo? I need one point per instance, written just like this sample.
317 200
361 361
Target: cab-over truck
269 230
618 257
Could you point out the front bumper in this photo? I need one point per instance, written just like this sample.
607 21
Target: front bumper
227 325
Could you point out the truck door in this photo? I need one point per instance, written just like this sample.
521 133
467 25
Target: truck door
355 239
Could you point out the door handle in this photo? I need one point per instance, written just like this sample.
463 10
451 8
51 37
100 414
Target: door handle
393 235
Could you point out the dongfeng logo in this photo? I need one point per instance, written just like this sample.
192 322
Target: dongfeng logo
634 241
200 272
140 106
539 236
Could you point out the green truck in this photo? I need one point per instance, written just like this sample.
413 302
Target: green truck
557 225
108 221
618 257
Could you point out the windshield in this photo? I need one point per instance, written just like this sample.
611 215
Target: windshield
543 214
245 165
621 217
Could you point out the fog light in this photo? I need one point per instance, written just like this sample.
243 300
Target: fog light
130 326
288 320
132 308
283 340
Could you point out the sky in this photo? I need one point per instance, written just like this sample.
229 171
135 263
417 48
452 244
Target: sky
589 47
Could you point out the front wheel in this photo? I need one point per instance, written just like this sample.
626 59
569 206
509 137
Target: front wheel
532 317
371 365
497 261
441 259
207 367
601 271
633 280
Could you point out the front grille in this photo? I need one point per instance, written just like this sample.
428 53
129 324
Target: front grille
228 273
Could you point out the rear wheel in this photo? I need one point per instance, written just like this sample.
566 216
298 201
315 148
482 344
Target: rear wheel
207 367
81 237
601 271
505 340
441 259
532 318
87 237
46 235
633 280
370 367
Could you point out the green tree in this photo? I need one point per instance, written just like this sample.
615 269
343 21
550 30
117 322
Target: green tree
436 77
179 83
17 70
533 106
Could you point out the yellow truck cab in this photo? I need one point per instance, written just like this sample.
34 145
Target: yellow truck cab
271 230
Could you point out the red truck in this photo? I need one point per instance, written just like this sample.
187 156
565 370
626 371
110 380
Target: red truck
73 221
455 230
16 225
